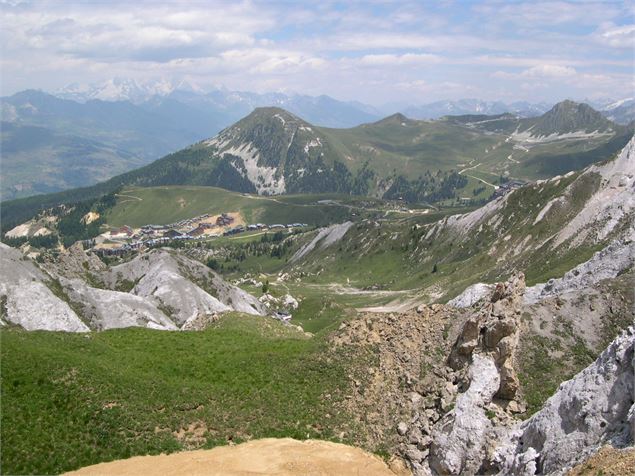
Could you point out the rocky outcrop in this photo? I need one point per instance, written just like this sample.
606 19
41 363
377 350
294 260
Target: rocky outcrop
77 292
493 331
459 438
105 309
28 301
74 262
594 408
484 357
403 386
185 288
471 295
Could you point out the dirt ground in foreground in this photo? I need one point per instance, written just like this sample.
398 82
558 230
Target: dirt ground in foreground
608 461
279 457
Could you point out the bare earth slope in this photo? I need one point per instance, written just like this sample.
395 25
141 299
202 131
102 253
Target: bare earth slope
269 456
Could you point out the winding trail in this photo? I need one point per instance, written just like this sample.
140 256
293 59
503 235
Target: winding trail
484 181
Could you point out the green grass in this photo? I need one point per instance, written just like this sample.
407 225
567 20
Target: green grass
70 400
163 205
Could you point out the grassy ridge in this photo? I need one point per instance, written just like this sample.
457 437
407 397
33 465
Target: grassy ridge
71 400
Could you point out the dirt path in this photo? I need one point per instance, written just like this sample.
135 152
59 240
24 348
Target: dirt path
395 306
484 181
469 166
130 198
342 289
271 456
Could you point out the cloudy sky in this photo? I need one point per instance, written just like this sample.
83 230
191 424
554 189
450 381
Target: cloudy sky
377 52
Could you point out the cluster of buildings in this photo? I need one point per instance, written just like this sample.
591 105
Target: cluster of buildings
124 239
506 187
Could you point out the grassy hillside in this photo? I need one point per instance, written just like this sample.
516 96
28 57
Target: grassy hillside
408 147
412 254
162 205
70 400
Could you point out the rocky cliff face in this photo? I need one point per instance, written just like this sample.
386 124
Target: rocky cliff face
594 408
184 287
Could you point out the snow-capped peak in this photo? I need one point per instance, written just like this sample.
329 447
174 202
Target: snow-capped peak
616 104
124 89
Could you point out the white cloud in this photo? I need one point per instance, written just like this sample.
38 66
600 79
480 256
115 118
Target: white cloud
549 71
398 60
380 51
617 36
530 13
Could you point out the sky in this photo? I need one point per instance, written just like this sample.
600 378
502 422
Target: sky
376 52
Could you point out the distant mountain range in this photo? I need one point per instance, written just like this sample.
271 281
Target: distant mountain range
272 151
622 112
475 106
85 134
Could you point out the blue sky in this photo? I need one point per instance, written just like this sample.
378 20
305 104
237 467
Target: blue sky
376 52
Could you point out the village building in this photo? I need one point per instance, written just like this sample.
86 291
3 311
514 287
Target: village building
198 231
172 233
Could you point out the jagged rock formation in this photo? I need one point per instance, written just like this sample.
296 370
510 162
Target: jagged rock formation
445 393
74 263
494 331
485 351
458 445
185 287
77 292
595 407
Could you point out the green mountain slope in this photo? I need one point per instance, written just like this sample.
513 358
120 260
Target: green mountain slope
272 151
545 229
569 117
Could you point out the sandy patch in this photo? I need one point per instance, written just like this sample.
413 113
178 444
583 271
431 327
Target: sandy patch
608 461
90 217
280 457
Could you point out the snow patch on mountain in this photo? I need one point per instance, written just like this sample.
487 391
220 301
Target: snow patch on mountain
527 137
616 104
